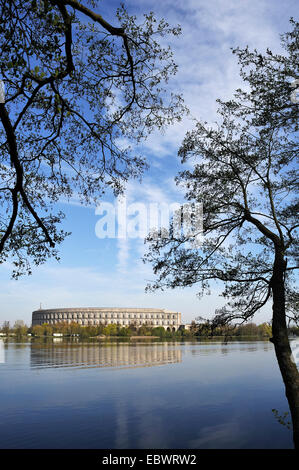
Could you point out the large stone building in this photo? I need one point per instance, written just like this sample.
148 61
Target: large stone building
104 316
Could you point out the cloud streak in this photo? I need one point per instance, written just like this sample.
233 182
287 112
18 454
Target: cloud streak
95 272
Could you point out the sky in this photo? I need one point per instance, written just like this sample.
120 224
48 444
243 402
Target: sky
109 272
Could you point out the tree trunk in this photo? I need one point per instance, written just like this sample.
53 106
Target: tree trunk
280 339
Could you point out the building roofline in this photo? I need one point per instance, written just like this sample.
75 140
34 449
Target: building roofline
115 309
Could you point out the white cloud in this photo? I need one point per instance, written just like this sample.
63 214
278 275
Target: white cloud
123 254
207 70
57 286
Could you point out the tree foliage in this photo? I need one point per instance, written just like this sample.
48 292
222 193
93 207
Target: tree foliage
202 328
244 171
245 176
78 93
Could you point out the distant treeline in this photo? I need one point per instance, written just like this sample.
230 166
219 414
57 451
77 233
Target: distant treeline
75 329
205 329
247 329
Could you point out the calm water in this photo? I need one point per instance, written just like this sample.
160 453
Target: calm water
141 395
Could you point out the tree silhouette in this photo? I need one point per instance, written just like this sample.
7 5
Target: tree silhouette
78 93
245 176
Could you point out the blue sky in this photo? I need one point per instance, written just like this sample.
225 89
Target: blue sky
109 272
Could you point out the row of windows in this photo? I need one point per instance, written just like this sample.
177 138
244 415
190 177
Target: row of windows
96 322
103 315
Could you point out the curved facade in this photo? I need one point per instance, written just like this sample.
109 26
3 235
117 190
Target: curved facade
105 316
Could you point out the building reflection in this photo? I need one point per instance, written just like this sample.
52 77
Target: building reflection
126 355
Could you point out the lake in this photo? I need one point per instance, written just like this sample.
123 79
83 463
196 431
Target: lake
141 394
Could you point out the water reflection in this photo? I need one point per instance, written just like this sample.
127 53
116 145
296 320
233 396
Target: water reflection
224 348
120 355
102 394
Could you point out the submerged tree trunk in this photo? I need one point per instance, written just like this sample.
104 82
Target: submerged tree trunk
280 339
